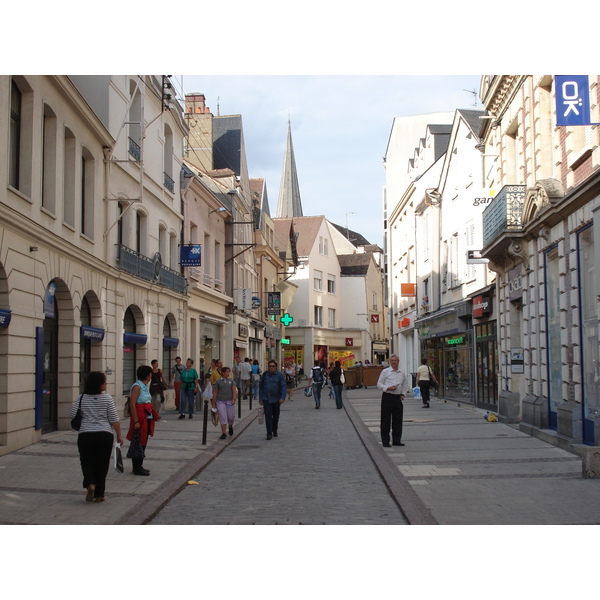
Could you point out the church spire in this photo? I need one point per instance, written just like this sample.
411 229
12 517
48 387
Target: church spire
289 204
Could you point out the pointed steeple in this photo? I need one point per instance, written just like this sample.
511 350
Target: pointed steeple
289 204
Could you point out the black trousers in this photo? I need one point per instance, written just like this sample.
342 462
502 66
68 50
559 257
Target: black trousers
392 413
95 448
424 386
271 416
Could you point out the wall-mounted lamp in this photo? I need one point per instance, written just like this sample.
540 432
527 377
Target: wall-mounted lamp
220 209
33 248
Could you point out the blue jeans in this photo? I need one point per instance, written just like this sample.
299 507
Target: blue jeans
337 392
255 385
316 389
186 398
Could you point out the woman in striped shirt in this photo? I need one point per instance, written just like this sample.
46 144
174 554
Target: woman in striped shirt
95 439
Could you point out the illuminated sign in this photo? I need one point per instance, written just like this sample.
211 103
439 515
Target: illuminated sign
285 340
455 341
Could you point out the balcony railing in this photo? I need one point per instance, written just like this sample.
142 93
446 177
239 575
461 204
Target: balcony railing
135 150
504 213
169 183
146 268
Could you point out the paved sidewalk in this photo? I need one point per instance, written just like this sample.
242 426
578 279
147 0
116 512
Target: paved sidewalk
41 484
469 471
456 468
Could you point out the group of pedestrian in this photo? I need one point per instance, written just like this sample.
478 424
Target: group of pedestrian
100 418
318 376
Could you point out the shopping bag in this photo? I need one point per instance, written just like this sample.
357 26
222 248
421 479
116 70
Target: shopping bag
118 458
215 416
136 450
308 392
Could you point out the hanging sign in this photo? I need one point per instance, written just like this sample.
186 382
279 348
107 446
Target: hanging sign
572 100
49 300
5 316
190 255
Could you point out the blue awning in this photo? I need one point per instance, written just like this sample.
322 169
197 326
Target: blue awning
5 316
135 338
91 333
171 342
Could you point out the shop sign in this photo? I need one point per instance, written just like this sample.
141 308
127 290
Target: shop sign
49 300
403 323
455 341
482 305
572 100
517 362
243 330
91 333
349 341
408 290
374 318
244 298
5 316
515 286
285 341
190 255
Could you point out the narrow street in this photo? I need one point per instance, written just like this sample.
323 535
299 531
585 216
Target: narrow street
316 472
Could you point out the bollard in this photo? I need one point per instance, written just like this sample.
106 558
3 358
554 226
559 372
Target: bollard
205 423
239 403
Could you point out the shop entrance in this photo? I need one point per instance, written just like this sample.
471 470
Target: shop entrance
487 366
457 368
50 374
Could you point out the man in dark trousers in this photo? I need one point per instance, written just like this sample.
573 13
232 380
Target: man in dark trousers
392 382
272 391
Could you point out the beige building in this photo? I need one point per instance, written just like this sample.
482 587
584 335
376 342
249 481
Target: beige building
538 233
90 216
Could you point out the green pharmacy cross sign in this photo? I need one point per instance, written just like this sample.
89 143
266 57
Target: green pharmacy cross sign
286 319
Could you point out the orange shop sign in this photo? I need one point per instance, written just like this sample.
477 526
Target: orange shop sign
408 290
405 322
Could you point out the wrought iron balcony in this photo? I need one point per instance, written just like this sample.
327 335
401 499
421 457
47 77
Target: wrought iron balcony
169 183
504 213
135 150
150 269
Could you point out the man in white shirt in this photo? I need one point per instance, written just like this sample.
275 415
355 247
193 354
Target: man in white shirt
393 383
245 375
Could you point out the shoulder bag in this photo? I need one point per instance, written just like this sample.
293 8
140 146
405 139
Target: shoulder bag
76 420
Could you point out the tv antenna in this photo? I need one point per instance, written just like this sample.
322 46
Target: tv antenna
474 92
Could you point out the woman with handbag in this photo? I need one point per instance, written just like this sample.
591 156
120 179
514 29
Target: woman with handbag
335 376
142 420
424 380
157 386
95 440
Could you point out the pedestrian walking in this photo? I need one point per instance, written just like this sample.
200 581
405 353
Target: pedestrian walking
272 393
225 394
157 386
392 382
290 380
189 388
335 376
175 380
217 365
95 439
316 379
425 379
142 420
245 378
256 372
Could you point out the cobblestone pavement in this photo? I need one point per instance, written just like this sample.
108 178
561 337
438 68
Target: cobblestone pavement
317 471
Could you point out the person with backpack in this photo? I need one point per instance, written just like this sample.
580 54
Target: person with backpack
316 379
